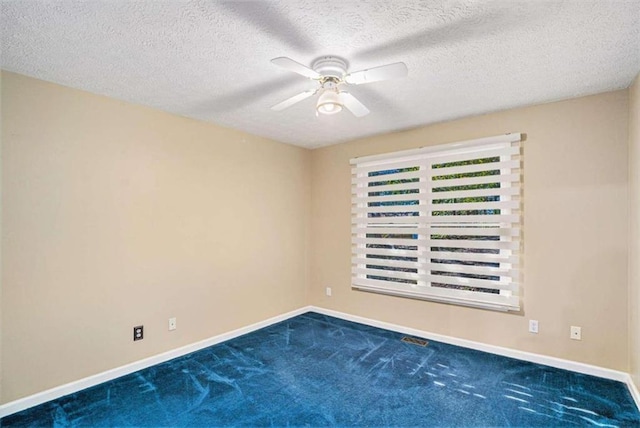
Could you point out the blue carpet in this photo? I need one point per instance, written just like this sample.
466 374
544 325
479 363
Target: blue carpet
314 370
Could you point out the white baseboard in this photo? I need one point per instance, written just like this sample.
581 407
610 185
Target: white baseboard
70 388
507 352
633 389
78 385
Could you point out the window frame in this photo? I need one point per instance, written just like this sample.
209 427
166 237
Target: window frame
400 275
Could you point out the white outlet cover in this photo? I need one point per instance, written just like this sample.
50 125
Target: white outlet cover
328 291
172 324
576 333
533 326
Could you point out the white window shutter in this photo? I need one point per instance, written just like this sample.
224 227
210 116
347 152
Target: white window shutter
440 223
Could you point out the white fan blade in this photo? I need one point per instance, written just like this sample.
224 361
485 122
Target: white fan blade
296 67
291 101
384 72
356 107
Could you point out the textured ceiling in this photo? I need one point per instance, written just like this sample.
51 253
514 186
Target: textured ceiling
210 60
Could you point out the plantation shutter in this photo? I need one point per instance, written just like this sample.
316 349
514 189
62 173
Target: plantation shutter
440 223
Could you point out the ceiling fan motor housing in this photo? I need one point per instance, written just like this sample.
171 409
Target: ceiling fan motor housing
330 66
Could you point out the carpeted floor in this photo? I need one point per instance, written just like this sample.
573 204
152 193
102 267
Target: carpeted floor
314 370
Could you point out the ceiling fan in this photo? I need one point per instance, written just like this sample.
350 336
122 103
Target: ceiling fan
331 74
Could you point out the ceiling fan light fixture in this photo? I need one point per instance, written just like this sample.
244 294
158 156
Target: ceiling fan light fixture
330 72
329 102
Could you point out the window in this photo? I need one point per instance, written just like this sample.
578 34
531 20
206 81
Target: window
440 223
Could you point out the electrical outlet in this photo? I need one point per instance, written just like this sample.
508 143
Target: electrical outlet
533 326
328 291
576 333
172 323
138 333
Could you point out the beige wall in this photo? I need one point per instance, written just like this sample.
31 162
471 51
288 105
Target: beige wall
116 215
1 233
575 232
634 233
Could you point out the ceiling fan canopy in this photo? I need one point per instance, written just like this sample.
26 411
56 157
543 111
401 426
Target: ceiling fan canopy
331 74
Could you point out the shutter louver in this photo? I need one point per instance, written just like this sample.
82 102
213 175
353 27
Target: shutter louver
440 223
